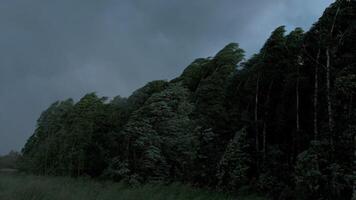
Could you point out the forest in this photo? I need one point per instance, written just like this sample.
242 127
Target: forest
281 123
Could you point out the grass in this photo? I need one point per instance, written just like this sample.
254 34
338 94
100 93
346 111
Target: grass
27 187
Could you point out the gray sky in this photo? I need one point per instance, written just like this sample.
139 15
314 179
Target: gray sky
55 49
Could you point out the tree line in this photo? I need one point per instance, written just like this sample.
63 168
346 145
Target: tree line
9 161
282 122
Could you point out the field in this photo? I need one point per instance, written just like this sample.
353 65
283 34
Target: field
26 187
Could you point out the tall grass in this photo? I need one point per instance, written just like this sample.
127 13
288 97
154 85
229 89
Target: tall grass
26 187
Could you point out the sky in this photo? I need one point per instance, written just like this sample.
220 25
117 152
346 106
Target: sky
55 49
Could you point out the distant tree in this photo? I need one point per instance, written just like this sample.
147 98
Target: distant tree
10 161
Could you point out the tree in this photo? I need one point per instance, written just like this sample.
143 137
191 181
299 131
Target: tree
158 135
210 110
234 166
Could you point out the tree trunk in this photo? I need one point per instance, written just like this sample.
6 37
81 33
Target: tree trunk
256 113
297 102
354 170
78 166
316 90
350 107
296 137
328 87
71 167
264 121
264 141
46 157
328 95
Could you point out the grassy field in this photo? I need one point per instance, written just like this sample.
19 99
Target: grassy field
25 187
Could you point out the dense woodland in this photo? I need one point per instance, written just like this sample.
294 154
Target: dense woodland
282 123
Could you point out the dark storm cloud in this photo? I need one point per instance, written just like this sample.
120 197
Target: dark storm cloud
54 49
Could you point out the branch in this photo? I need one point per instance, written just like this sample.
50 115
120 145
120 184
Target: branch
313 59
333 25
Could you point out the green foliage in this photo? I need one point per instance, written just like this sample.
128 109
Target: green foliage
140 96
346 84
308 174
231 54
194 73
158 135
316 175
234 166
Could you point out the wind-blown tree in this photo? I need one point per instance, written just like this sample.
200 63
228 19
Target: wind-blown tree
140 96
211 112
194 73
40 153
158 140
88 137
